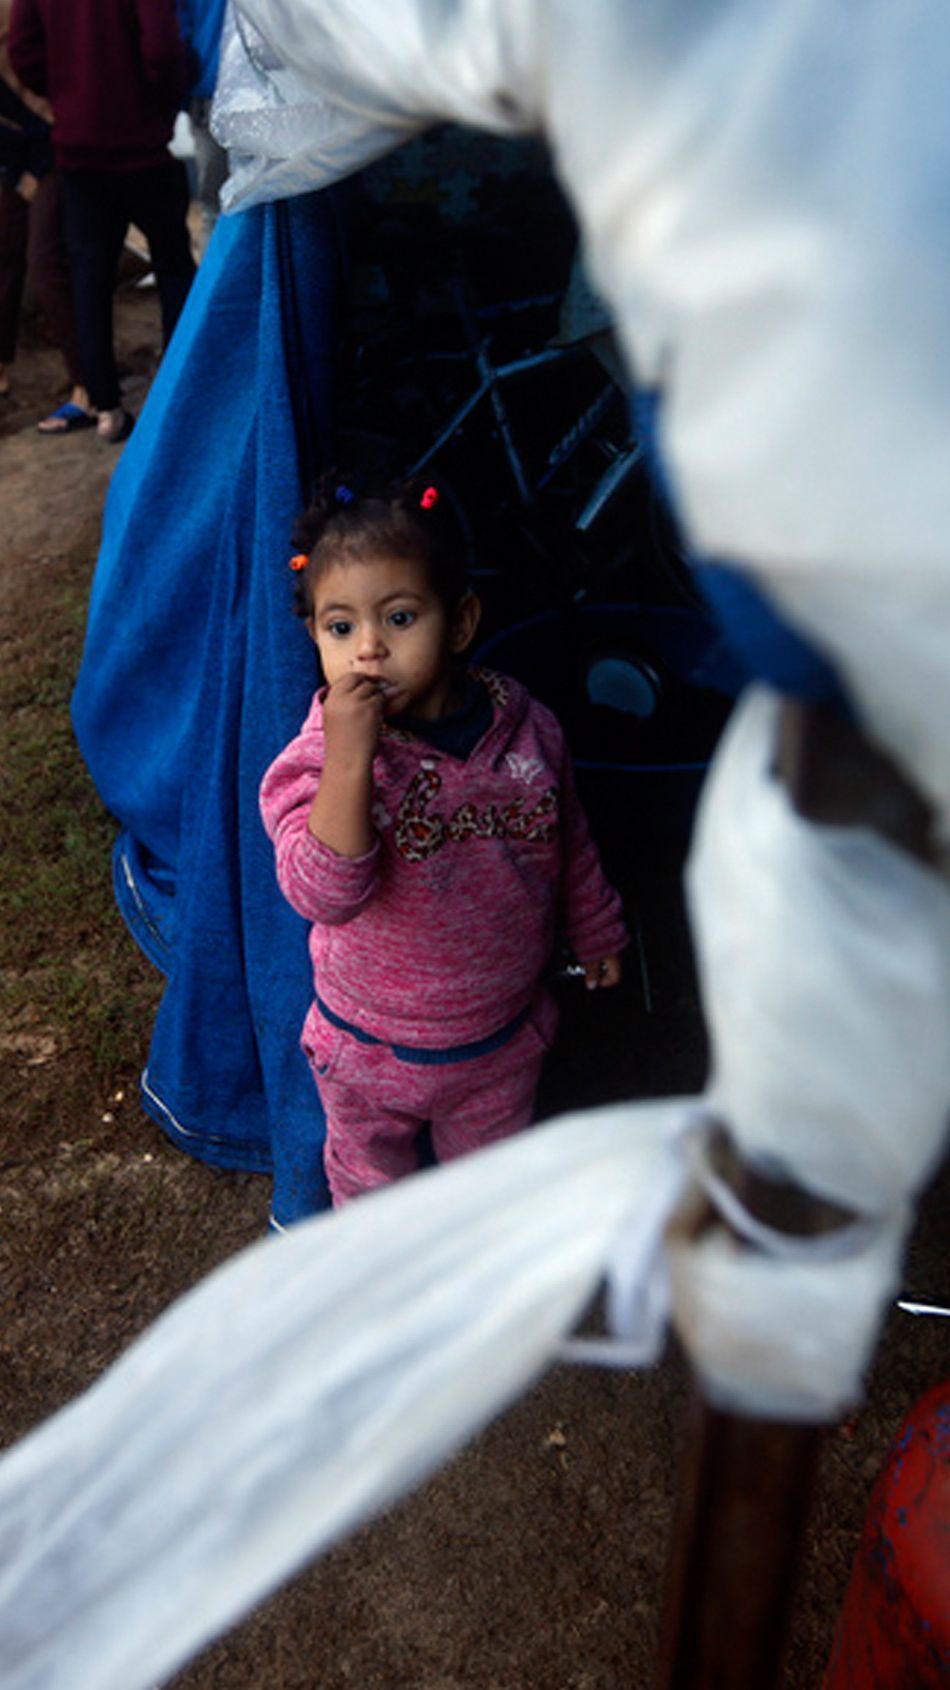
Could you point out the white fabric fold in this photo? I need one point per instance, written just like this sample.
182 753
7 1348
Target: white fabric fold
297 1391
318 1376
761 194
777 1341
824 962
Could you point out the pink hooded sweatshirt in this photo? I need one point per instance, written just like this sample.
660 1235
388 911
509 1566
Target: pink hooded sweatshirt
440 934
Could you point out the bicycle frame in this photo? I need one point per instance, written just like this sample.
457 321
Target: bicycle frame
492 376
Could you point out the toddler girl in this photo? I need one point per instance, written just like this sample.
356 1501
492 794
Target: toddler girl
425 823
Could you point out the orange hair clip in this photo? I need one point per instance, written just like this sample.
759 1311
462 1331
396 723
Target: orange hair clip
299 560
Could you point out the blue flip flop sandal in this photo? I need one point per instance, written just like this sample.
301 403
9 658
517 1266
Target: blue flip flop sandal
72 417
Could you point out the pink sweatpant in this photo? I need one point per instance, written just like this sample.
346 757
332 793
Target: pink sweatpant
376 1103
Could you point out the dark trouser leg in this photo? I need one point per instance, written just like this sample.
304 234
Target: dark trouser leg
159 205
95 222
14 215
48 267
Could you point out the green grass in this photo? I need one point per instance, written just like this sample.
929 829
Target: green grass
70 972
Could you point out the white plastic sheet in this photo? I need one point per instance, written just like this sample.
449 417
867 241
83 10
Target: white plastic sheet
301 1388
316 1377
779 1339
824 961
761 189
824 957
311 93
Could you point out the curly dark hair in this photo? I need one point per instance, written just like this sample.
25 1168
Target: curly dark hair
406 519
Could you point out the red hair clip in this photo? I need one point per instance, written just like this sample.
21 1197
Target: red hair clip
299 560
429 498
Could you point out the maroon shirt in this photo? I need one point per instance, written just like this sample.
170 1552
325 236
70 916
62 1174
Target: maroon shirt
113 71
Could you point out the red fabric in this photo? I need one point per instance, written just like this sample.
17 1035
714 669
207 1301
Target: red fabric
114 72
894 1630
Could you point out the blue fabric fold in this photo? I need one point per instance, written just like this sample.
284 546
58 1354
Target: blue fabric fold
195 673
759 637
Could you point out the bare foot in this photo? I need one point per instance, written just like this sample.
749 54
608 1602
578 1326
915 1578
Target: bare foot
68 417
114 426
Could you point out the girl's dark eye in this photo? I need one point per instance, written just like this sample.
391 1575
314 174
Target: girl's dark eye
402 618
339 629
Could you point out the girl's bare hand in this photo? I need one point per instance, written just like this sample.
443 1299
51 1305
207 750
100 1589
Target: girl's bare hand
605 971
352 717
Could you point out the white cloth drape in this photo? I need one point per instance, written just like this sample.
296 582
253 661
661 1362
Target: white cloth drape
761 187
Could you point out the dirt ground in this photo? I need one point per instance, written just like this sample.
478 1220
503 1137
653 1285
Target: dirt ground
536 1560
